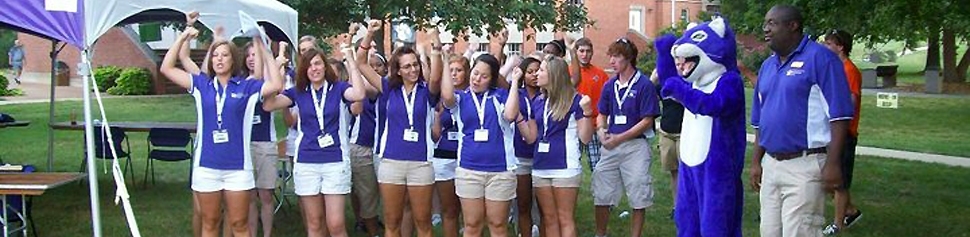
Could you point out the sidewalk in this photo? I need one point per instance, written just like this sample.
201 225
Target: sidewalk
36 87
906 155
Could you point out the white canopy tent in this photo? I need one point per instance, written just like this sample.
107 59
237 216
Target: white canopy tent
82 22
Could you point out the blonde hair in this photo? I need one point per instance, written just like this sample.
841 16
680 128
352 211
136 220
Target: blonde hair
560 91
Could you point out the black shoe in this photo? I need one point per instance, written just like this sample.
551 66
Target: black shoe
852 219
17 79
360 227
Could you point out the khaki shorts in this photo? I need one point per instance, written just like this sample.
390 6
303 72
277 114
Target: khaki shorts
493 186
328 178
524 167
401 172
264 164
624 168
364 180
571 182
669 150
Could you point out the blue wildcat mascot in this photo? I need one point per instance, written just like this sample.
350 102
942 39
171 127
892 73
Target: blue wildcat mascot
712 142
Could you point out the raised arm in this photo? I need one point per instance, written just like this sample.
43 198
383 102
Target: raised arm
436 125
185 57
447 84
574 64
274 82
357 90
216 37
512 103
174 74
436 65
365 69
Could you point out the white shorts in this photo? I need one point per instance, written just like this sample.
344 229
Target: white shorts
328 178
212 180
444 169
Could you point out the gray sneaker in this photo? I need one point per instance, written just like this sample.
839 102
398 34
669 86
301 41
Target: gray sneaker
830 230
852 219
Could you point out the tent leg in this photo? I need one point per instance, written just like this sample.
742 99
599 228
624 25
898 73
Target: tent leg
89 143
50 118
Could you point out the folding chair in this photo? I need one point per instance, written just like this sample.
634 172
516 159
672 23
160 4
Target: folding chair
102 150
168 144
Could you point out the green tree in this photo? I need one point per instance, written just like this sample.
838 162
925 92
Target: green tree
325 18
941 23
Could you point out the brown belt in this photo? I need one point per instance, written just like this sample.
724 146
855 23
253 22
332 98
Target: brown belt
782 156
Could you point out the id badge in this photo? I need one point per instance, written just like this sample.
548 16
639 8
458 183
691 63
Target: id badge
325 140
454 136
481 135
543 147
619 119
220 136
257 119
410 135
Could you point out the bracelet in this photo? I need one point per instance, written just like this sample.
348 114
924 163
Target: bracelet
365 47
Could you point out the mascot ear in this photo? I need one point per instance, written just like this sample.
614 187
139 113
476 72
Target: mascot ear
690 25
718 26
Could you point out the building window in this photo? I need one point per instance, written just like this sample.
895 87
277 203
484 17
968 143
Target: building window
575 2
683 15
483 47
636 18
513 49
540 46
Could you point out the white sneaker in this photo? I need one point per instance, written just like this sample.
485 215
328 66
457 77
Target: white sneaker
535 231
436 219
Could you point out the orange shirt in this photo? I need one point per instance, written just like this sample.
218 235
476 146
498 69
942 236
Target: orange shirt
854 77
591 81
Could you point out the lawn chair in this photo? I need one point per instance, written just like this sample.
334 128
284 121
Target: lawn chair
102 150
17 208
168 144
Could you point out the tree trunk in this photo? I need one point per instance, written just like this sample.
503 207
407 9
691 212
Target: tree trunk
950 57
933 50
963 66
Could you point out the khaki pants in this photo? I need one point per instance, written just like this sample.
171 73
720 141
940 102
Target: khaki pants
792 199
364 180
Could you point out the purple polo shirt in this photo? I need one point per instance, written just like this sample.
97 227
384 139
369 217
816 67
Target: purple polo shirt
336 120
363 125
640 103
562 136
795 101
496 154
392 113
526 106
240 96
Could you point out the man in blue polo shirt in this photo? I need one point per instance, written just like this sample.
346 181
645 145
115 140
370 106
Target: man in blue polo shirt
801 110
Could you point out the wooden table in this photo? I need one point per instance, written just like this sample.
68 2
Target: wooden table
129 126
29 184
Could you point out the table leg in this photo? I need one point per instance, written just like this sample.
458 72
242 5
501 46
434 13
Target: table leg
23 217
6 223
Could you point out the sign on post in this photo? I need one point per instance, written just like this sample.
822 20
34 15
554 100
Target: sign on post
887 100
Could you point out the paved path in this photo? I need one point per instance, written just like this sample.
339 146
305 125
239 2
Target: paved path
906 155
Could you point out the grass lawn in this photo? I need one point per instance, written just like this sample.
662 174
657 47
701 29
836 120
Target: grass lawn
900 198
930 125
911 66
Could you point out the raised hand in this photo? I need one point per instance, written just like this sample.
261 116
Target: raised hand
373 26
190 32
584 103
570 42
515 75
281 55
666 67
191 18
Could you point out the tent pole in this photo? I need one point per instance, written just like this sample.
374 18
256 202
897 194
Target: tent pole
83 69
50 118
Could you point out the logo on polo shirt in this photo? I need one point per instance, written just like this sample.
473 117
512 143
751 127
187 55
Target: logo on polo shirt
794 72
237 95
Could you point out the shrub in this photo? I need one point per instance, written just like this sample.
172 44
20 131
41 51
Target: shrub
132 81
106 77
8 92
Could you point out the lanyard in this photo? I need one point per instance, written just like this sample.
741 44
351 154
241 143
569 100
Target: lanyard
318 103
545 120
409 104
629 87
220 101
480 107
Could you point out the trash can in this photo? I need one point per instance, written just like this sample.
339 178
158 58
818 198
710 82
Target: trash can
63 73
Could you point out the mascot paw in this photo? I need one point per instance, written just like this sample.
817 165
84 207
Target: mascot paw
666 67
670 86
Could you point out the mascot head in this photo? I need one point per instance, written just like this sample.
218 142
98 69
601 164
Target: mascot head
707 50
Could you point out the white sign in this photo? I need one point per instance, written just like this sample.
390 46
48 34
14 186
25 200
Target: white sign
887 100
61 5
